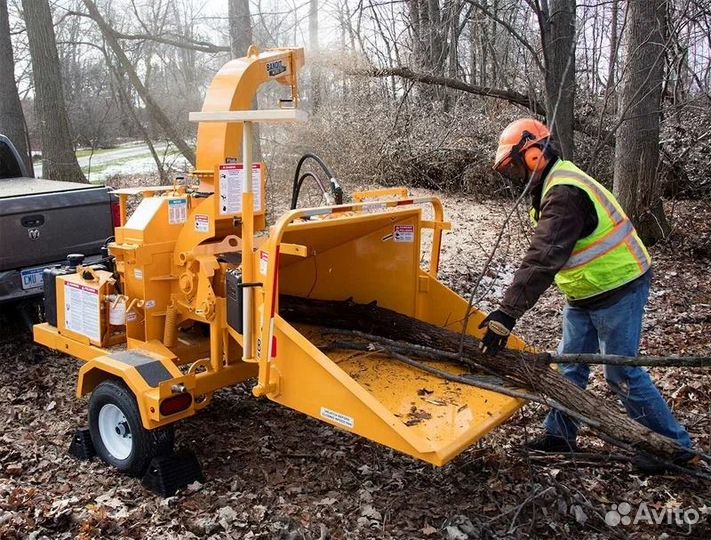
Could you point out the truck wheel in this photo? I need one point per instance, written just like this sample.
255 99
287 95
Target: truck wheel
116 431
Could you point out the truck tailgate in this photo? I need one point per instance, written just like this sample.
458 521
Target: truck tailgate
51 220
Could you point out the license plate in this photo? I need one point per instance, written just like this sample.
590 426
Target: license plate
32 277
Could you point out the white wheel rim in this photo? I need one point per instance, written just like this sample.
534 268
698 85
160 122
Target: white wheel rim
115 432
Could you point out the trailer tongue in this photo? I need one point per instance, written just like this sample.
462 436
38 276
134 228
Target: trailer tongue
191 304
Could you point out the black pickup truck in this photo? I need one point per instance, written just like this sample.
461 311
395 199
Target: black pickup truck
41 221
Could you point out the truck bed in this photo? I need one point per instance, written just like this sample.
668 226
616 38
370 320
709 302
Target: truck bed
15 187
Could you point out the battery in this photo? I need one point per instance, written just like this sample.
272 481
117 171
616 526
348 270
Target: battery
233 287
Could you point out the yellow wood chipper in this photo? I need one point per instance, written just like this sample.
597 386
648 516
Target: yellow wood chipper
186 301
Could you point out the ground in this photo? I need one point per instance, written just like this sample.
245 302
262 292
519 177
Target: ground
273 473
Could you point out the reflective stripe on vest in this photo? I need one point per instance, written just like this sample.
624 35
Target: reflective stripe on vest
611 255
600 196
610 241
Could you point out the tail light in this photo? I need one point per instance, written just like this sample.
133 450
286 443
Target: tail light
115 213
175 404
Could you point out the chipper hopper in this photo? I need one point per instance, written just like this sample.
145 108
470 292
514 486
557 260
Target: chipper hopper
186 300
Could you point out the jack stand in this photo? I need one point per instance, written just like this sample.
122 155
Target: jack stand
81 446
168 474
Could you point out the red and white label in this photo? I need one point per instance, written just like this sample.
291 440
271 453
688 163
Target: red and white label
202 223
404 233
231 180
263 262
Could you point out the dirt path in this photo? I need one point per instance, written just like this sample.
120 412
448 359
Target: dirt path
274 473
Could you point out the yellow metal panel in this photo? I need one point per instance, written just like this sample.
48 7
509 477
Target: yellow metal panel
388 402
356 257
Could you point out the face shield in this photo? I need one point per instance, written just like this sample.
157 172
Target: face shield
513 171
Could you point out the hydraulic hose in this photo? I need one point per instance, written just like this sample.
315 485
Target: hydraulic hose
335 187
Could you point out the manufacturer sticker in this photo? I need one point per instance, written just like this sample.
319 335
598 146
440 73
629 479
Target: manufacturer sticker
131 316
337 417
404 233
150 304
177 211
276 68
138 273
202 223
263 262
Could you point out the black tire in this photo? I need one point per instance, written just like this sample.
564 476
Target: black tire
145 444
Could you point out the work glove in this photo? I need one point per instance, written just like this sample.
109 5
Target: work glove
498 329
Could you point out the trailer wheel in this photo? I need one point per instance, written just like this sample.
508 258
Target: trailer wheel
116 431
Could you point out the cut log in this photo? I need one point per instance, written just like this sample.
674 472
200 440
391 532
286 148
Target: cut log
527 371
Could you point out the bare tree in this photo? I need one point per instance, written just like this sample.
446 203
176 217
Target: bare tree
557 23
58 159
315 71
154 110
637 146
12 119
240 26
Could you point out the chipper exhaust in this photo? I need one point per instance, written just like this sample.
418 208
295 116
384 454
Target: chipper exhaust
187 302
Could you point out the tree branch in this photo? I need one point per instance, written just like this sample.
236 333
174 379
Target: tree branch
488 91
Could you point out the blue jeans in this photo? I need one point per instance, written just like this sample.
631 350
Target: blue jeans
615 330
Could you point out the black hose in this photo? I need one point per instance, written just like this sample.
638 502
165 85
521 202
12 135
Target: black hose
299 180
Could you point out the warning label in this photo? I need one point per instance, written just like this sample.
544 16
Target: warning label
202 223
263 262
231 181
337 417
81 310
177 211
404 233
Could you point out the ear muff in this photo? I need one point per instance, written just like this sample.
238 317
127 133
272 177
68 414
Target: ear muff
531 157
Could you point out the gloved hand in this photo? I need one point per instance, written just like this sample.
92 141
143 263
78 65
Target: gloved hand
498 328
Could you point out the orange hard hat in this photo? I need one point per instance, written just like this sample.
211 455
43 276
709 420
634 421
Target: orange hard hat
516 138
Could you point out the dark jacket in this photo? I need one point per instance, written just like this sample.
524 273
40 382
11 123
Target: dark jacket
567 215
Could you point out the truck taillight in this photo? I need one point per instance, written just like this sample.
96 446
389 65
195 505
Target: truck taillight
116 213
175 404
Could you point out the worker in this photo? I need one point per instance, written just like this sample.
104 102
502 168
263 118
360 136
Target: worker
586 244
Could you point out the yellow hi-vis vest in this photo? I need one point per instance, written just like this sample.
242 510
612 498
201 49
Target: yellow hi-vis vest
612 255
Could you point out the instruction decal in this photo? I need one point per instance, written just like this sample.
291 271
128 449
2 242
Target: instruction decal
263 262
177 211
404 233
337 417
231 181
202 223
81 310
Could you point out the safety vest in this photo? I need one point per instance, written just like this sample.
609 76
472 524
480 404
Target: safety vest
612 255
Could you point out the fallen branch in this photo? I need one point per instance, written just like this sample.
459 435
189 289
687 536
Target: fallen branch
649 361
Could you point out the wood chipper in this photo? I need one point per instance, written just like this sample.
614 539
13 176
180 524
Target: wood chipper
186 301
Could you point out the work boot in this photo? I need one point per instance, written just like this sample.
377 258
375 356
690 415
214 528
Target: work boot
646 464
552 443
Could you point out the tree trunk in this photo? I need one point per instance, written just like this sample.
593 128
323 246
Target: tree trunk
152 107
12 119
240 25
558 39
315 71
428 43
59 161
522 370
637 143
